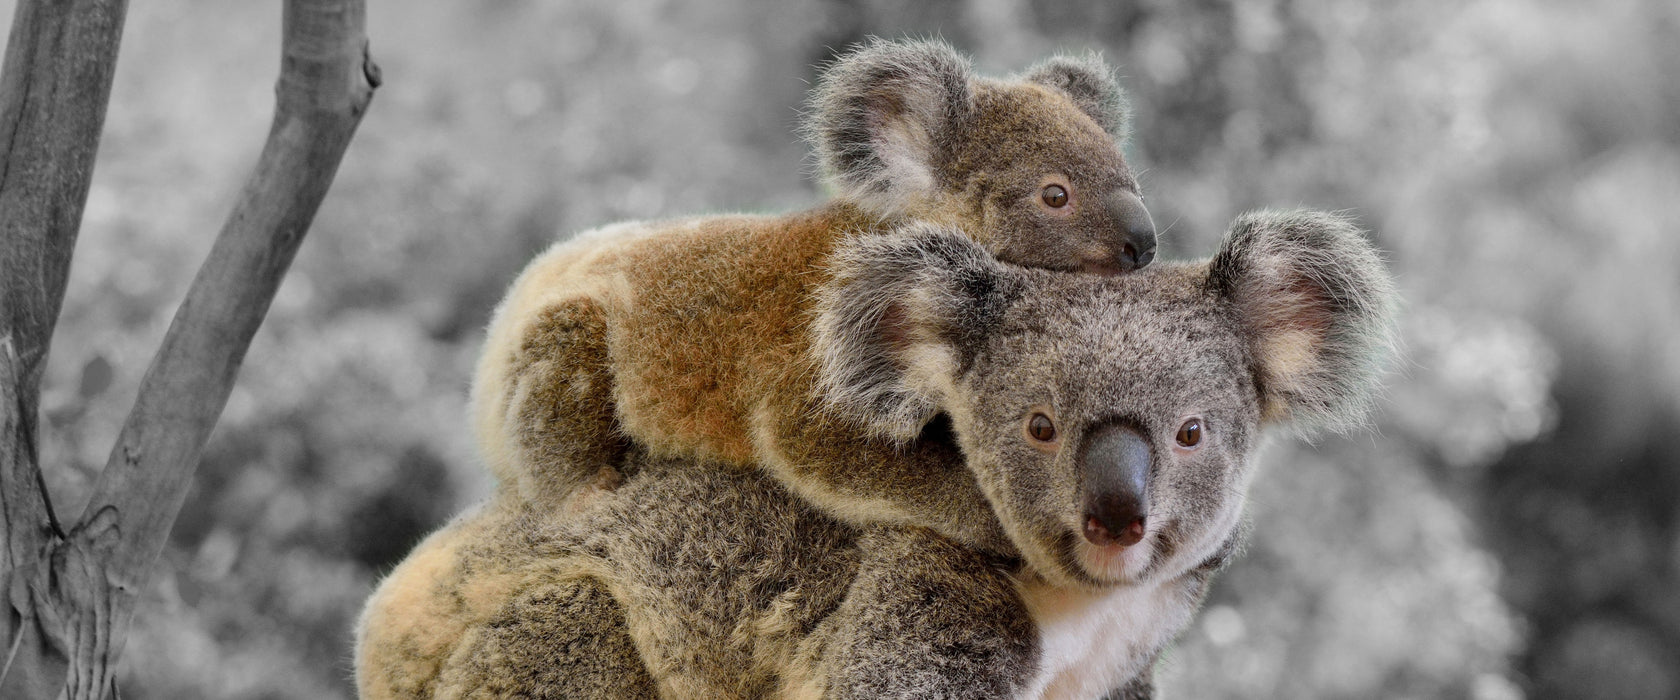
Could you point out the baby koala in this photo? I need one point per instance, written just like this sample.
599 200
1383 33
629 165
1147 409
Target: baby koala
694 336
1109 424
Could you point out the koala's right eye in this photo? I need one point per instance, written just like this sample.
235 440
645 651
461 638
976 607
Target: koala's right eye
1055 195
1041 428
1190 434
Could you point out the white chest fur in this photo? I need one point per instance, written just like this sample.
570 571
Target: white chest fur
1093 642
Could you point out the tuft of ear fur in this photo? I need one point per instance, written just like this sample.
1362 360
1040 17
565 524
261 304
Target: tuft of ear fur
897 321
1088 80
878 116
1318 307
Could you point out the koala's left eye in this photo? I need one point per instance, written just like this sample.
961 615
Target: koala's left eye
1055 195
1190 434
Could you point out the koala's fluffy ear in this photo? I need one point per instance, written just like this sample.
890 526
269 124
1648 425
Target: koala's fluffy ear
1088 80
1317 306
879 115
898 319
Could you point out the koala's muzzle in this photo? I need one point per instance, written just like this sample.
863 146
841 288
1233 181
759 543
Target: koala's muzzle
1115 465
1132 243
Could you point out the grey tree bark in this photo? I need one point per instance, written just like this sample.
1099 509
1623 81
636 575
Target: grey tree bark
70 590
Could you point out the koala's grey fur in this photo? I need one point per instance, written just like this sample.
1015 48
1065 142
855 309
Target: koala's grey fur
1354 336
728 586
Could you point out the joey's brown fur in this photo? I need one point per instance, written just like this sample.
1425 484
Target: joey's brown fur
693 336
700 579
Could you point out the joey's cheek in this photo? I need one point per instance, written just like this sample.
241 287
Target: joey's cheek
1008 219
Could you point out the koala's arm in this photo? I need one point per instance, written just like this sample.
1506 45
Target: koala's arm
542 396
833 463
924 618
556 428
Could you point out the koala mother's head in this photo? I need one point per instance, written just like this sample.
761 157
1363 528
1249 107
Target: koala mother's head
1030 166
1110 421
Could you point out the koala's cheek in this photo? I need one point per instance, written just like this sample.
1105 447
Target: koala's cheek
1023 237
1025 489
1209 497
1239 477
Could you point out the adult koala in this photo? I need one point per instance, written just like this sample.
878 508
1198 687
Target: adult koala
1109 422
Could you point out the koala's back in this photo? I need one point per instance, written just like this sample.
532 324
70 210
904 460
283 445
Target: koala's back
601 598
696 320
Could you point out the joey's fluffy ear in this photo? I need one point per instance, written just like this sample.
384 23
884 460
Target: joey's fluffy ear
1088 80
1317 306
899 317
879 116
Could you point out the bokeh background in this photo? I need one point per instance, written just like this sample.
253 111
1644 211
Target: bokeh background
1506 529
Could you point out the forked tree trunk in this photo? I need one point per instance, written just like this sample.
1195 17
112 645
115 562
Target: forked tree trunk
70 590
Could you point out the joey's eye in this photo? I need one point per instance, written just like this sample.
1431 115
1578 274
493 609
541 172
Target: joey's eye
1041 428
1190 434
1055 196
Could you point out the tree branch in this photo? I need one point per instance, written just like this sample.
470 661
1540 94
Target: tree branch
72 594
326 82
54 86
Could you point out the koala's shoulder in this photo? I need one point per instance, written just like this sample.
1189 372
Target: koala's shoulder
434 606
419 613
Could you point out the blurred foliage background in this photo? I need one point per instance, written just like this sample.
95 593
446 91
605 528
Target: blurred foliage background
1507 529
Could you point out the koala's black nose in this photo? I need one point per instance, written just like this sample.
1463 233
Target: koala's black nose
1136 244
1116 469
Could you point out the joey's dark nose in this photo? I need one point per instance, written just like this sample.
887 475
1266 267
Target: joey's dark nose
1135 245
1116 466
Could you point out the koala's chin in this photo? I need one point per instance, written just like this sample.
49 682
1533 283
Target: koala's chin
1064 557
1168 549
1117 564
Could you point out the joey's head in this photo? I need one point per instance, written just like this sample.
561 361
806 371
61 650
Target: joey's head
1029 166
1110 421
